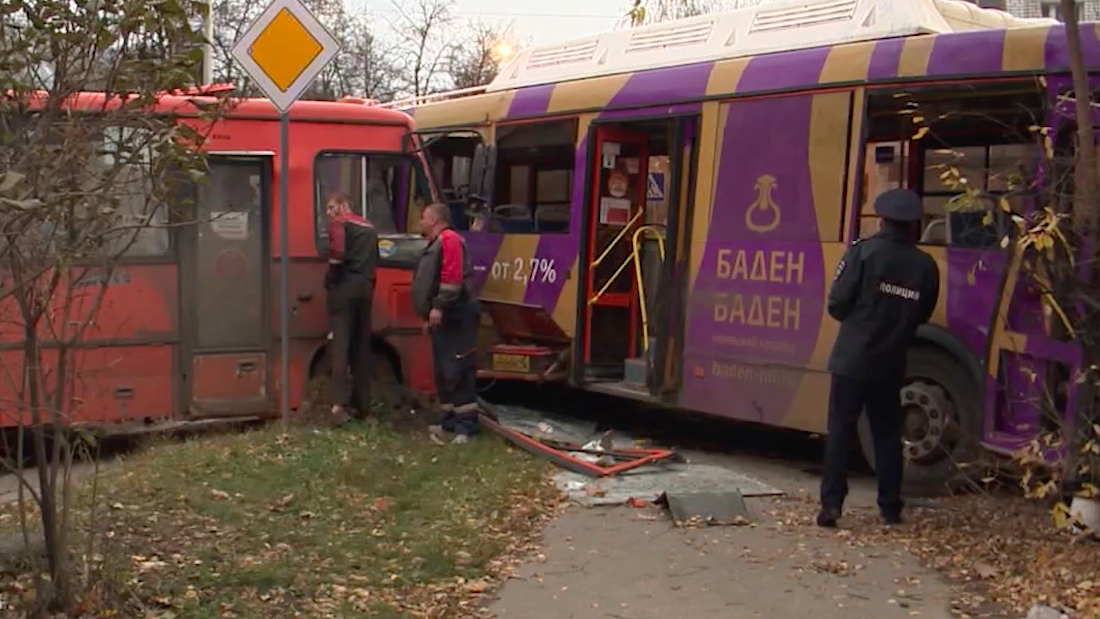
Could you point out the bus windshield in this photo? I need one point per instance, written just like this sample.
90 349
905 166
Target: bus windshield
379 185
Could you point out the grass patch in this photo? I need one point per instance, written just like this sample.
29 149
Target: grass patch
353 522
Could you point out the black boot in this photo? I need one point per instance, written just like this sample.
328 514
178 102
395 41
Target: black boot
827 517
891 519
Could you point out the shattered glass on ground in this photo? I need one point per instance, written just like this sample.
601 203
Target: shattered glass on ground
646 483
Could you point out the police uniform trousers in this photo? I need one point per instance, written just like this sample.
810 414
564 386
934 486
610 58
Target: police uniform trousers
882 402
349 316
454 357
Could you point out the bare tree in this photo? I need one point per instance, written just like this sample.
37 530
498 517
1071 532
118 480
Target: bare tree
84 180
481 54
231 19
370 64
422 31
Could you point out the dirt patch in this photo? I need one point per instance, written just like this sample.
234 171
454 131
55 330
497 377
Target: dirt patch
393 407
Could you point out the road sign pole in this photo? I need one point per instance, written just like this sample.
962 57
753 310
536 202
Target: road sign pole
284 268
283 51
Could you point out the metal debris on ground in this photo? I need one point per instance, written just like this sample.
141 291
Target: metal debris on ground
706 508
592 459
649 484
639 484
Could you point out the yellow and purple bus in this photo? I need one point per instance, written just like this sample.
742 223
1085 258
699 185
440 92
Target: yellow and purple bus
662 208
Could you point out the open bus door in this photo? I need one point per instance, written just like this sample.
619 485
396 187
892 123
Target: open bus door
610 310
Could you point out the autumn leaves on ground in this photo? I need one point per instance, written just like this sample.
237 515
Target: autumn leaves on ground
352 522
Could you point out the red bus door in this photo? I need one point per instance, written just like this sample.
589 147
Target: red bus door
618 201
225 277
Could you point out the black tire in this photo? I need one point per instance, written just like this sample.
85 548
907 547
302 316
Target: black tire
936 384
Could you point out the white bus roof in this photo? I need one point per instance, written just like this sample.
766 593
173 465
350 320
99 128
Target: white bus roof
773 27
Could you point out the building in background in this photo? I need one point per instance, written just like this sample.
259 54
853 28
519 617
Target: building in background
1087 10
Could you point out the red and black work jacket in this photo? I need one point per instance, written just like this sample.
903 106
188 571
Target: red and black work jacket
352 253
444 274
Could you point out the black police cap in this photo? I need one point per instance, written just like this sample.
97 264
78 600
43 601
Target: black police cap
899 205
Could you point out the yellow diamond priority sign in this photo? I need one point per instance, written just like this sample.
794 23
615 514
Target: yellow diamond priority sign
284 50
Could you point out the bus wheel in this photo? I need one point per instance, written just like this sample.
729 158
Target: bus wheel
941 411
386 383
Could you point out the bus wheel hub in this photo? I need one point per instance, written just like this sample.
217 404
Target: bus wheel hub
927 417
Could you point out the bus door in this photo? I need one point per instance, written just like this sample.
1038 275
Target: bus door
617 209
225 275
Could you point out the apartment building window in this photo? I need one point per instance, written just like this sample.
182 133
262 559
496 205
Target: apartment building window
992 4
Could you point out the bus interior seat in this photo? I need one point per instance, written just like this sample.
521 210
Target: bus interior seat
514 218
552 218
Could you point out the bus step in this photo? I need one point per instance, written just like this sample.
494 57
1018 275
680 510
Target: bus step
635 371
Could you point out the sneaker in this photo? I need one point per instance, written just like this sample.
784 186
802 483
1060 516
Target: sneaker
460 439
827 517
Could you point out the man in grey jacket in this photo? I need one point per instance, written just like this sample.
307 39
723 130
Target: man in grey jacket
443 295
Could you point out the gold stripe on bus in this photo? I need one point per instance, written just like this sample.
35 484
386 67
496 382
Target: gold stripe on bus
586 94
847 63
827 144
725 76
565 311
915 54
939 254
467 111
856 142
1024 49
511 267
713 125
826 334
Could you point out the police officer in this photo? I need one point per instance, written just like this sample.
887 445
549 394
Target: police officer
349 292
443 295
884 288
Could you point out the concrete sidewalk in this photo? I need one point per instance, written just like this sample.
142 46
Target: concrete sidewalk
632 563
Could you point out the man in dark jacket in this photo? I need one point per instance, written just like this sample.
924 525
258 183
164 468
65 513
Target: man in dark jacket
443 295
349 289
884 288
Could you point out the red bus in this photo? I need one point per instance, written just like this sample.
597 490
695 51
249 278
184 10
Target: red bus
188 327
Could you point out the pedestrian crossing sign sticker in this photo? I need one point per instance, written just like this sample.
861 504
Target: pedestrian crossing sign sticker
655 186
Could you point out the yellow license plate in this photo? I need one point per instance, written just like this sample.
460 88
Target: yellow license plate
511 363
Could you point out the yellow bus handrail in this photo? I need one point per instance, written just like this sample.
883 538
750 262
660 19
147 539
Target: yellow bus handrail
615 241
635 257
642 303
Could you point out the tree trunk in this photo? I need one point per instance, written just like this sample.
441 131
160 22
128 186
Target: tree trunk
1084 218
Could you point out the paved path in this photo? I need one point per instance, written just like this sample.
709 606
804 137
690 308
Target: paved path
9 484
631 563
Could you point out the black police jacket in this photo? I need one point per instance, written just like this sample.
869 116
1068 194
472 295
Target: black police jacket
885 287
